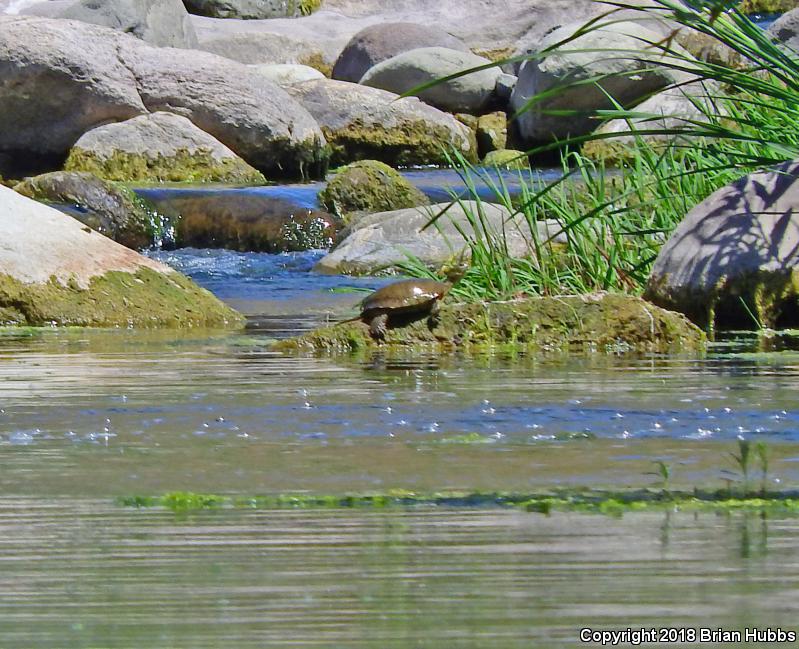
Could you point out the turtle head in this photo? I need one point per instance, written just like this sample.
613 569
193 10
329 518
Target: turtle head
456 268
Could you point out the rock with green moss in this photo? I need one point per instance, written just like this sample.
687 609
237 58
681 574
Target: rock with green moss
506 159
111 209
362 123
733 262
369 186
55 270
588 323
158 147
252 9
492 132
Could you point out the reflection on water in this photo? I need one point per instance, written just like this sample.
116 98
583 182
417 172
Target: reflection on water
84 573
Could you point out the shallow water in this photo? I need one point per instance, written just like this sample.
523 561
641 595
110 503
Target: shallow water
86 416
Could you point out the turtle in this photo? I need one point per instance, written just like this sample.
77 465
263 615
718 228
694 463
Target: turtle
405 301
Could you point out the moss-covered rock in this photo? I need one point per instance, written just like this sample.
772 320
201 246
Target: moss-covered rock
604 322
369 186
147 298
158 147
111 209
492 132
767 6
506 159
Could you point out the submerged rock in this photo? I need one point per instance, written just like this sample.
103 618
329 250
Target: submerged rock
367 123
159 147
369 186
592 323
733 262
506 159
111 209
247 222
55 270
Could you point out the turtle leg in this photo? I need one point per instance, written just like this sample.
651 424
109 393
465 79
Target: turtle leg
432 319
377 326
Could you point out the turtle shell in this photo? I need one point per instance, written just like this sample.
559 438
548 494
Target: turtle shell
405 296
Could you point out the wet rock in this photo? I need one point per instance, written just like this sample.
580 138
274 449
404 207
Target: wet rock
732 261
159 147
630 78
245 221
492 132
111 209
252 9
589 323
285 74
470 93
62 78
385 239
368 186
55 270
163 23
380 42
786 29
366 123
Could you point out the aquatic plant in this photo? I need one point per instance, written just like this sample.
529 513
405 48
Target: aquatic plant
761 451
662 471
742 460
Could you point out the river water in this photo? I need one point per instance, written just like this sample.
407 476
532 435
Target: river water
88 416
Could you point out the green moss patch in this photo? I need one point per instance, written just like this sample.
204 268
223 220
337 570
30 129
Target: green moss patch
369 186
183 166
506 159
614 503
602 323
146 298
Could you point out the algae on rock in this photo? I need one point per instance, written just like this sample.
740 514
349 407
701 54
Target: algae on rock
369 186
588 323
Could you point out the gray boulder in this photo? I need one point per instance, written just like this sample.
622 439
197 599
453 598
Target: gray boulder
385 239
471 93
113 210
252 9
58 79
61 78
617 50
158 147
366 123
380 42
164 23
285 74
265 49
734 257
55 270
786 29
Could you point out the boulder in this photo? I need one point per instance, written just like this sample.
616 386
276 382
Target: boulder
59 79
732 261
617 50
55 270
252 9
244 220
267 49
492 132
111 209
159 147
366 123
677 108
368 186
506 159
285 74
383 240
163 23
380 42
786 29
470 93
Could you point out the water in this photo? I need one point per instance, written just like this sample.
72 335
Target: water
86 416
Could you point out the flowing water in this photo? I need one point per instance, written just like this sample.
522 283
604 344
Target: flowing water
87 416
